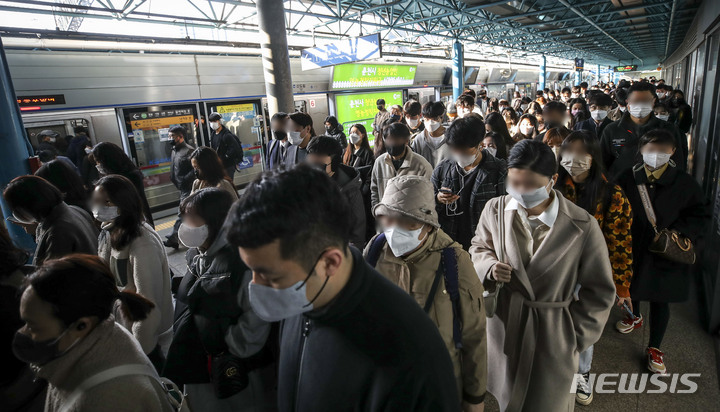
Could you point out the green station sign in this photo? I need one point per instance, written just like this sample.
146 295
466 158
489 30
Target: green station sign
628 68
361 108
370 76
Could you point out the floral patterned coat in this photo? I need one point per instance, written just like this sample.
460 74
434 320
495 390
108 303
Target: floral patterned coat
615 221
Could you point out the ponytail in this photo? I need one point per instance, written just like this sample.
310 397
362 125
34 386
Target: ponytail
133 306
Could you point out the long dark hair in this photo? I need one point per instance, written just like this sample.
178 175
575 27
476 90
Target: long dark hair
533 120
364 144
67 181
502 149
12 257
595 184
78 286
113 159
122 193
32 194
211 169
212 205
497 124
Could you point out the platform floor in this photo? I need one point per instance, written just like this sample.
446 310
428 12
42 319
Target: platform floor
688 349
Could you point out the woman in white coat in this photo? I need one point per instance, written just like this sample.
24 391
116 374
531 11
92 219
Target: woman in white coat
557 287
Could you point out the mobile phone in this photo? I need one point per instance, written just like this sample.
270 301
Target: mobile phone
627 309
446 191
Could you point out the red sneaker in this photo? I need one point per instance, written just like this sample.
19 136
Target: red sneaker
655 361
629 324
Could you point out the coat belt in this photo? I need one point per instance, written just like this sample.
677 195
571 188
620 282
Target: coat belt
525 336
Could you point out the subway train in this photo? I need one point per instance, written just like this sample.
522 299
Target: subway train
131 99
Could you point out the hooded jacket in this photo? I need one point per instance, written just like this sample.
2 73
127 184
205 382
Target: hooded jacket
433 152
348 179
620 141
372 348
415 274
383 171
212 313
66 230
107 346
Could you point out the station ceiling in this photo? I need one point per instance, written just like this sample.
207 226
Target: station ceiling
606 32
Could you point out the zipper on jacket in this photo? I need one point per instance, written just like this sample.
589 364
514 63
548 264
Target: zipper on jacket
307 326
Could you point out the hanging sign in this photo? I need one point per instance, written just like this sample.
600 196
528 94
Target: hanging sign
342 51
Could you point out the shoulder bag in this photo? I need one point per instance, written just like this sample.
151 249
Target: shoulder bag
668 243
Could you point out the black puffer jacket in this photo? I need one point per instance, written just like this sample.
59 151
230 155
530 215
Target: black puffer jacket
212 314
182 173
371 349
338 134
351 187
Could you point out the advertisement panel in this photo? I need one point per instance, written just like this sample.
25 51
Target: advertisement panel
372 76
361 108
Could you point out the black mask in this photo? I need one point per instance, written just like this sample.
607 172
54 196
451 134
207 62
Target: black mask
280 135
328 128
172 143
395 117
380 107
395 150
38 353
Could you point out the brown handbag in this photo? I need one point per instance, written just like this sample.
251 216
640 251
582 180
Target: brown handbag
668 243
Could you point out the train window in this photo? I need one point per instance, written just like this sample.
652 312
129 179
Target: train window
64 131
149 141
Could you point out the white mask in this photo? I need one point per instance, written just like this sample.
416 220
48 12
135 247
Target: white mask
105 213
598 115
465 160
576 165
622 109
432 125
193 236
655 159
88 150
413 123
641 110
355 138
661 95
523 107
402 241
295 138
556 151
491 150
214 125
526 129
664 117
530 199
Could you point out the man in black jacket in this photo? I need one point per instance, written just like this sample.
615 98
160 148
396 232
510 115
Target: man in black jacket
619 142
350 340
182 174
226 144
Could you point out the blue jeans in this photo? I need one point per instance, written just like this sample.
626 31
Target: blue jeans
585 360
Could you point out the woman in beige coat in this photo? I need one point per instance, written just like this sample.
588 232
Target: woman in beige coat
558 287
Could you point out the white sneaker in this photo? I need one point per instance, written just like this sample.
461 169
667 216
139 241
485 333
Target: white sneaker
583 391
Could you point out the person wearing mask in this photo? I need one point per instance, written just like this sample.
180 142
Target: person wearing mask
620 139
75 151
524 104
493 106
413 253
88 169
111 160
582 181
396 113
503 104
494 122
412 112
494 144
19 389
335 130
678 203
279 144
136 257
681 111
226 144
554 115
527 127
182 174
662 111
575 93
540 122
380 117
583 89
60 175
464 183
325 155
621 96
452 113
70 337
214 321
61 229
48 141
430 143
554 139
209 172
340 317
511 120
663 94
565 94
578 112
399 160
482 102
300 131
538 95
358 154
548 246
600 104
464 105
534 109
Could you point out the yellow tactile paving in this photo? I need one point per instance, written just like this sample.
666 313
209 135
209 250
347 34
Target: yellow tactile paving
165 225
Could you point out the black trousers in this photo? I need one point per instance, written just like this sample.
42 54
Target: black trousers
659 318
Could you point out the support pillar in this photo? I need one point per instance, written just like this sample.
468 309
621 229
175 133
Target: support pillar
16 148
598 72
543 73
458 60
275 57
578 77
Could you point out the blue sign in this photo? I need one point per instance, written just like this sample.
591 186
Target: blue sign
579 64
342 51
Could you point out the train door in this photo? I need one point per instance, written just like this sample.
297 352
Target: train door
246 120
148 143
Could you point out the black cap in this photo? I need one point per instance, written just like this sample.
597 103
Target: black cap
380 101
214 117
